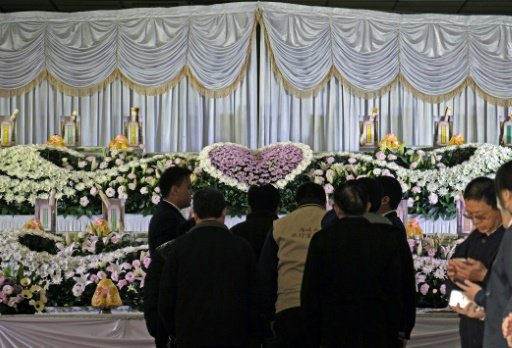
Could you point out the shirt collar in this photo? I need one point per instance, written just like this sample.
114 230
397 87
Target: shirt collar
174 205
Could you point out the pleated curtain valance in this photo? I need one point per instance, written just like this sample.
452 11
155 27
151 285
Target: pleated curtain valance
151 50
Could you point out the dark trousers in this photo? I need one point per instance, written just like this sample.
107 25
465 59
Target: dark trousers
290 328
471 332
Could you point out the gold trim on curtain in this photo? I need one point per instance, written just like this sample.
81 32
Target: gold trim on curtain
219 93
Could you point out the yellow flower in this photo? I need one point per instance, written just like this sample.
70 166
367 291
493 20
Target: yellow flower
456 139
390 141
35 288
27 294
39 306
34 224
56 140
25 282
413 229
120 142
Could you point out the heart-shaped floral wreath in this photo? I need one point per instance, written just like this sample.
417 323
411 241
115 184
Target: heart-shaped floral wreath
240 167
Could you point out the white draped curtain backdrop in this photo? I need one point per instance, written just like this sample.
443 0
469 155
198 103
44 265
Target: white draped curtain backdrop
254 73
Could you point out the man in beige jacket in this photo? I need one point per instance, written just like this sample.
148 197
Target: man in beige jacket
282 264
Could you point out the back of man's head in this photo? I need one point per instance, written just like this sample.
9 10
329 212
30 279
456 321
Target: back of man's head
391 188
310 193
374 190
172 176
351 198
208 203
263 198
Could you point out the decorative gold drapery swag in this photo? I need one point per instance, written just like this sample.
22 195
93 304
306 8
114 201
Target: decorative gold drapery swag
223 92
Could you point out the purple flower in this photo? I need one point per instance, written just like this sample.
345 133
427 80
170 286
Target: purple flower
130 277
442 289
7 289
424 288
431 252
146 261
121 283
432 198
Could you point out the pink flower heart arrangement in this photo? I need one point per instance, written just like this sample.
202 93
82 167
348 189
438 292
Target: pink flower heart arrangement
240 167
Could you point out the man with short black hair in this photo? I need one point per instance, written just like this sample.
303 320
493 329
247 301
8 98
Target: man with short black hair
391 197
166 224
209 290
263 204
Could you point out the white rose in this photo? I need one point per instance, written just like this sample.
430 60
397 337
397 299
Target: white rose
110 192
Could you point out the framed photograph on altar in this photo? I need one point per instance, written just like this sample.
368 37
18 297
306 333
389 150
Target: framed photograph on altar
8 129
46 213
133 129
70 129
369 130
464 224
403 211
113 212
506 131
443 128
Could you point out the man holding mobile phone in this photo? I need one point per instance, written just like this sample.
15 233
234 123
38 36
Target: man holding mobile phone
473 258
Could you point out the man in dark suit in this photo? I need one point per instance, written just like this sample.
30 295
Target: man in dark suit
391 197
351 289
165 225
263 203
209 290
408 292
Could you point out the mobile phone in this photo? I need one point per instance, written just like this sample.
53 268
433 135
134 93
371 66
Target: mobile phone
458 298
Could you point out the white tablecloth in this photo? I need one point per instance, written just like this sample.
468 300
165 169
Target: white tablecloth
129 330
140 223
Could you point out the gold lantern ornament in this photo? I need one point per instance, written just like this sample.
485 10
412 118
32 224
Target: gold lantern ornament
106 296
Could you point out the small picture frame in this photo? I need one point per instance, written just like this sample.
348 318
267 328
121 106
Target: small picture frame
8 129
403 211
443 129
464 224
369 130
46 212
133 129
70 129
113 212
506 131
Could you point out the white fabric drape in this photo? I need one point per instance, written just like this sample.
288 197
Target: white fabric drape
435 54
150 47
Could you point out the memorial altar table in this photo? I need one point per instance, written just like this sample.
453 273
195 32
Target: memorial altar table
129 330
140 223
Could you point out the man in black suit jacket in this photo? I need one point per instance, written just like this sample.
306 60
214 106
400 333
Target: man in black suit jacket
351 289
263 203
165 225
209 290
391 197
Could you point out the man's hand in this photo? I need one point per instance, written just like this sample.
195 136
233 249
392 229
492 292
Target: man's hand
451 268
469 288
471 311
507 329
471 269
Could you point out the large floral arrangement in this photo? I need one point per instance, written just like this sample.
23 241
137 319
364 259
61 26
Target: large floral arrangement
430 255
431 179
69 267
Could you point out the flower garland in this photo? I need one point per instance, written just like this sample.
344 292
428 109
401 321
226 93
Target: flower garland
431 180
51 269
